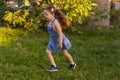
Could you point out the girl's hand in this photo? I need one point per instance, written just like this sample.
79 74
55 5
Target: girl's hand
60 45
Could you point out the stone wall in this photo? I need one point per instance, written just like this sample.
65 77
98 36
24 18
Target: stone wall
102 4
115 4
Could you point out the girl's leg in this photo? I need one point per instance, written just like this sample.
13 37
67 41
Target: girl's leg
66 54
51 59
72 64
50 56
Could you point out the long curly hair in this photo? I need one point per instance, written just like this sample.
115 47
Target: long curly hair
64 22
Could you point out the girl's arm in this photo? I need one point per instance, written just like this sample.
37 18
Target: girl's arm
58 28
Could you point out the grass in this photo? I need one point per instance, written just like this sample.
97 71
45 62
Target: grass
96 52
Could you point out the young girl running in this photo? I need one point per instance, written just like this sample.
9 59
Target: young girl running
58 41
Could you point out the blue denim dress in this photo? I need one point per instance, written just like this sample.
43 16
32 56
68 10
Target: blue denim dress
54 38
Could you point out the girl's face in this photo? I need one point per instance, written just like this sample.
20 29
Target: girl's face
48 15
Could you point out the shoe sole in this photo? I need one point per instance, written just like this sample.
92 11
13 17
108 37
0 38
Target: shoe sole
74 66
52 70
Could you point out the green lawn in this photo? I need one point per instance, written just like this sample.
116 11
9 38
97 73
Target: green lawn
96 52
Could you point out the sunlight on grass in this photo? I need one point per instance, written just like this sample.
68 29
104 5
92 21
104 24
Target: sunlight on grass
5 41
7 35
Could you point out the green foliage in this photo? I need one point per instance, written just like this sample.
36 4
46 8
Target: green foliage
115 17
27 17
17 18
36 13
2 2
75 10
3 8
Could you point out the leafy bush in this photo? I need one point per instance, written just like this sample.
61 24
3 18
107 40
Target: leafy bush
3 8
17 18
2 2
76 11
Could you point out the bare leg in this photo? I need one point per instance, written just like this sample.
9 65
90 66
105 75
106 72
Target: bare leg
50 56
66 54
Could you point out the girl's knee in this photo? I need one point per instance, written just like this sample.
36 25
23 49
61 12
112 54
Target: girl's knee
65 53
48 51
